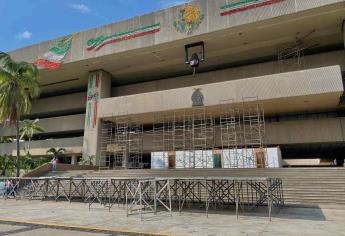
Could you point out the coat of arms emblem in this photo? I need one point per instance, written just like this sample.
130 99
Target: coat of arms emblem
197 98
189 19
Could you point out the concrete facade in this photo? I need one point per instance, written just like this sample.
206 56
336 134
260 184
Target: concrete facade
146 74
276 90
213 23
40 147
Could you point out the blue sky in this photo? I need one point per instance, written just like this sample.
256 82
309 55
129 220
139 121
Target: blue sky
26 22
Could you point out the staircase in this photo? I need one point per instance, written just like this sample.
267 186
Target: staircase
302 186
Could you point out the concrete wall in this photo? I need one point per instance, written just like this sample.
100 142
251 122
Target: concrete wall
212 22
59 104
326 130
260 69
56 106
306 131
53 125
304 90
74 145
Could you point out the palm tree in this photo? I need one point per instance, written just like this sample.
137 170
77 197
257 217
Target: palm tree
56 152
18 87
29 128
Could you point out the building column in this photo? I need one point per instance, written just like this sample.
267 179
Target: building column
74 160
99 87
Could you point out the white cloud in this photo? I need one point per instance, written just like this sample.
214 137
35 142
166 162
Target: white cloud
24 35
80 7
172 3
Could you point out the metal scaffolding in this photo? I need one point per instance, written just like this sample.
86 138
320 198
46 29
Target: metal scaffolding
151 195
255 152
230 135
106 152
291 55
121 144
187 133
146 195
188 138
135 145
242 136
202 129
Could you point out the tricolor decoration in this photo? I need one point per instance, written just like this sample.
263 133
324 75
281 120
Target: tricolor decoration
96 44
53 59
245 5
93 94
189 19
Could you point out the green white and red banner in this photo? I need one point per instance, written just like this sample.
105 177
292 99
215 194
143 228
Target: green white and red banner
245 5
96 44
93 95
53 58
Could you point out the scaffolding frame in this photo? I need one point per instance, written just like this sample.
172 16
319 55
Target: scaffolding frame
189 135
121 144
149 195
255 151
242 130
135 145
230 133
292 54
190 132
107 135
202 129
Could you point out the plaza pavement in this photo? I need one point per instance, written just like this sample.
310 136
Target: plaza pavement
35 217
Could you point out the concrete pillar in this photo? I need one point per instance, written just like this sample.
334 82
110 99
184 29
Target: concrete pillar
74 160
99 86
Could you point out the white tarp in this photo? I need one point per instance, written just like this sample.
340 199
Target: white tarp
196 159
159 160
204 159
245 158
274 158
238 158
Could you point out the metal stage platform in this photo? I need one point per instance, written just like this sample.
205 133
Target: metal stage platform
152 195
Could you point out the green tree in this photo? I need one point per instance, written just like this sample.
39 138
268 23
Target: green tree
87 160
29 162
18 87
7 165
56 152
28 129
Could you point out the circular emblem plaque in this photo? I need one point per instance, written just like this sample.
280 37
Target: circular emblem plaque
189 19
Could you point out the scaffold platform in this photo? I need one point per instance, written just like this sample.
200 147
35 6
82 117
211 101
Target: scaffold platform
151 195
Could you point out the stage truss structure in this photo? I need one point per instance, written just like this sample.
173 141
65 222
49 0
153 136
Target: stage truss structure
152 195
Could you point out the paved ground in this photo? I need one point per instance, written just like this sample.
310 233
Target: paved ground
52 218
36 230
